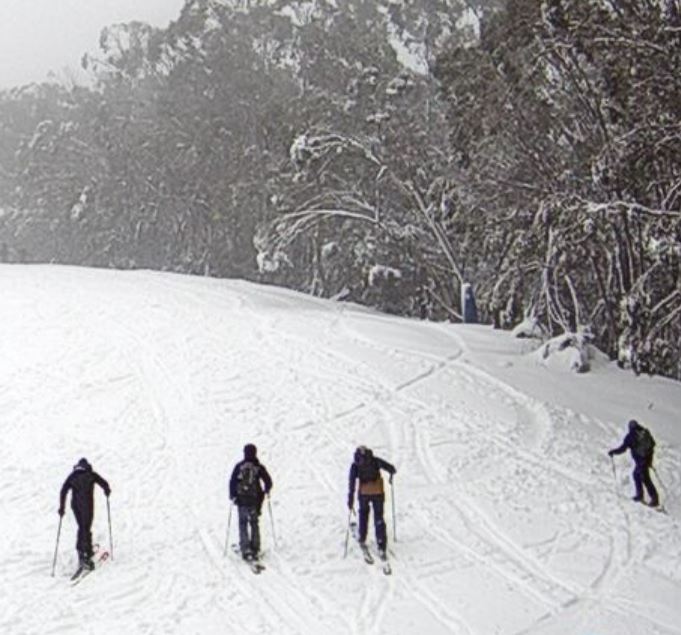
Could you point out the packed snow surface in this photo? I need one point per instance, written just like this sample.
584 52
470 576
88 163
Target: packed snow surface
509 515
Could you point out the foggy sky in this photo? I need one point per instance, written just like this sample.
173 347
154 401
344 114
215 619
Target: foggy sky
39 36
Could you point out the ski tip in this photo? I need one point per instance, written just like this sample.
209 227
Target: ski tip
78 576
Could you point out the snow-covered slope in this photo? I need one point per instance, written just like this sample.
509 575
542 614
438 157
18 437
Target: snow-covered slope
508 517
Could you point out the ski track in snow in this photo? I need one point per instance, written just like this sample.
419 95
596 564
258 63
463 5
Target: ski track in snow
508 517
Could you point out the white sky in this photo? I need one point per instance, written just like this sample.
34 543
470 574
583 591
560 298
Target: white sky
42 36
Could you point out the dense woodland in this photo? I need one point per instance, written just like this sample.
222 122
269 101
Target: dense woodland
378 151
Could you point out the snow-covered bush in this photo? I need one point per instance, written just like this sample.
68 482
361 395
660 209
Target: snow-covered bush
381 273
299 151
269 263
570 351
529 328
330 250
79 207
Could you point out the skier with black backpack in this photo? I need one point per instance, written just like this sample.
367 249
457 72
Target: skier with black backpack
640 442
366 468
249 484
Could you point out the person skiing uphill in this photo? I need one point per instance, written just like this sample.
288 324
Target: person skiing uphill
366 468
640 442
81 483
249 484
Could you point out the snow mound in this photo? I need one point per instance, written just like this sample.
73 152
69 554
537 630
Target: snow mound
570 351
529 328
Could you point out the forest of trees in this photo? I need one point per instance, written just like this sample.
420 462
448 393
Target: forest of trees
378 151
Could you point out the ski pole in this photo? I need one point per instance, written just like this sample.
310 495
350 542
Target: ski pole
614 475
664 489
229 522
392 499
347 531
108 513
56 547
269 508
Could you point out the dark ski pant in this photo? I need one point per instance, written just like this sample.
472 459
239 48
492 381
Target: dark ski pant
642 478
84 538
249 531
365 502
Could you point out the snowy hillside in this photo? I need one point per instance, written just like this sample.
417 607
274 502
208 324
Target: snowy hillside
509 519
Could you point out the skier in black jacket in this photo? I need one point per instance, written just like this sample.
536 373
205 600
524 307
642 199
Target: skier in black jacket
249 484
640 442
81 482
366 468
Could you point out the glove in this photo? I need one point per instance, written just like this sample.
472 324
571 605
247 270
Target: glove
60 511
107 493
611 453
351 502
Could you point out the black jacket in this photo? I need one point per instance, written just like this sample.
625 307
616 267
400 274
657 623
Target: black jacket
263 479
81 482
366 488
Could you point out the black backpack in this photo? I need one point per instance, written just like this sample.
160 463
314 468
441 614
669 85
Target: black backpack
248 482
367 468
644 444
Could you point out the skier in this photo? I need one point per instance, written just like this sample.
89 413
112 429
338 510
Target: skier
640 442
367 469
81 483
246 491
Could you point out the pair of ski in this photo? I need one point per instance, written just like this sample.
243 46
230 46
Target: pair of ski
367 555
99 557
254 564
658 508
383 557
